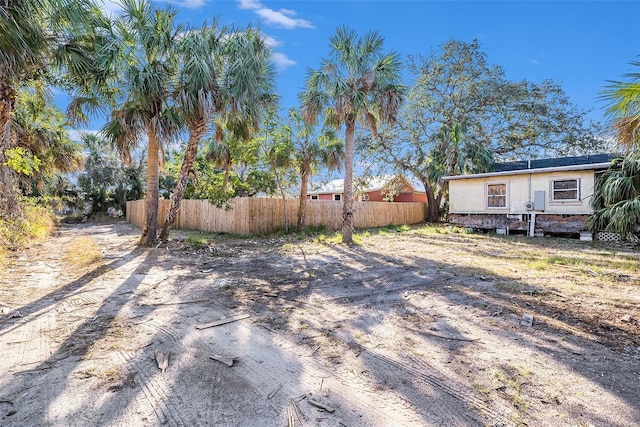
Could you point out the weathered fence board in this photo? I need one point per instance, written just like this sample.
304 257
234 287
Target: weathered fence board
254 215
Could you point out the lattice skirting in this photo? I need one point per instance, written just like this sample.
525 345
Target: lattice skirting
609 236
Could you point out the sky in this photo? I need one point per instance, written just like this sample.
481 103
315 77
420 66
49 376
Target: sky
578 44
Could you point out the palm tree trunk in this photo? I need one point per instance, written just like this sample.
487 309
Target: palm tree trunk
151 221
302 208
347 205
227 172
196 131
9 205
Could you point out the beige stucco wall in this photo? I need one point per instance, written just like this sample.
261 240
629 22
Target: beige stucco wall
470 195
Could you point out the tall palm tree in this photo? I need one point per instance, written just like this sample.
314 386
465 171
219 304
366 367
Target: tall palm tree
358 83
38 34
225 74
37 39
139 66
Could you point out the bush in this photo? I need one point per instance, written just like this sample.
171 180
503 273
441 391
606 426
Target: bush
34 223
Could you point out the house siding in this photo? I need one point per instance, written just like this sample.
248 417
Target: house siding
468 196
407 195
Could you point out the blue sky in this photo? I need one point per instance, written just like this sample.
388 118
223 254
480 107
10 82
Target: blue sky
579 44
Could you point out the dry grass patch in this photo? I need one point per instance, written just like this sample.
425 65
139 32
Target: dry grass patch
82 252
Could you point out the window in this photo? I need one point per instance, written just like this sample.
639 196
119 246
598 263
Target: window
314 197
565 190
497 195
365 198
336 197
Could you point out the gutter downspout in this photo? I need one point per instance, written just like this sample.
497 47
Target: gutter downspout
532 224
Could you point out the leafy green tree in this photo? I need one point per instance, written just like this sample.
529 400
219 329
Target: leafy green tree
358 83
224 74
616 198
461 114
105 181
205 182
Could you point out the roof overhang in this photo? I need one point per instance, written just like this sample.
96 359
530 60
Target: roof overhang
592 166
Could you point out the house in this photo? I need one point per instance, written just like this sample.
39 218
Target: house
374 189
537 197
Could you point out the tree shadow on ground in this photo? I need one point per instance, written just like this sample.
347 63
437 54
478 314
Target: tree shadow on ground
357 279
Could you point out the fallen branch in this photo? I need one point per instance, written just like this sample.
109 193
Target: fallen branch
320 405
223 321
298 412
273 393
173 303
431 334
582 269
546 291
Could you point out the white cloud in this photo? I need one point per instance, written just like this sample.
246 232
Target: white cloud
271 42
282 61
283 17
535 61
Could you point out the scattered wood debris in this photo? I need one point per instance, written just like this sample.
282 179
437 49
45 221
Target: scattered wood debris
291 420
319 405
224 359
154 304
297 411
223 321
163 361
274 392
626 318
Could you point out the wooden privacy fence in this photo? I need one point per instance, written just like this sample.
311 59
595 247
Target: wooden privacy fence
253 215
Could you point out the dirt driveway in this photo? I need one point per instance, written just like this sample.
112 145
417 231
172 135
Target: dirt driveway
417 327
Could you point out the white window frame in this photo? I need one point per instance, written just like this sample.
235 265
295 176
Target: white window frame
552 190
506 195
314 197
333 197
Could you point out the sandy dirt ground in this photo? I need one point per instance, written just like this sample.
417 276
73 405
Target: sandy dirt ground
413 328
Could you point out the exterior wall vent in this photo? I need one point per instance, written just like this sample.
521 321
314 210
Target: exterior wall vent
529 206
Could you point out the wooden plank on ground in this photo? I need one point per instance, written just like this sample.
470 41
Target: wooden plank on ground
223 321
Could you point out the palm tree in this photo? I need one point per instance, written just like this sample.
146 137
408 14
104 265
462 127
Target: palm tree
227 74
616 198
39 130
358 83
219 153
624 109
139 66
37 38
312 149
36 34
